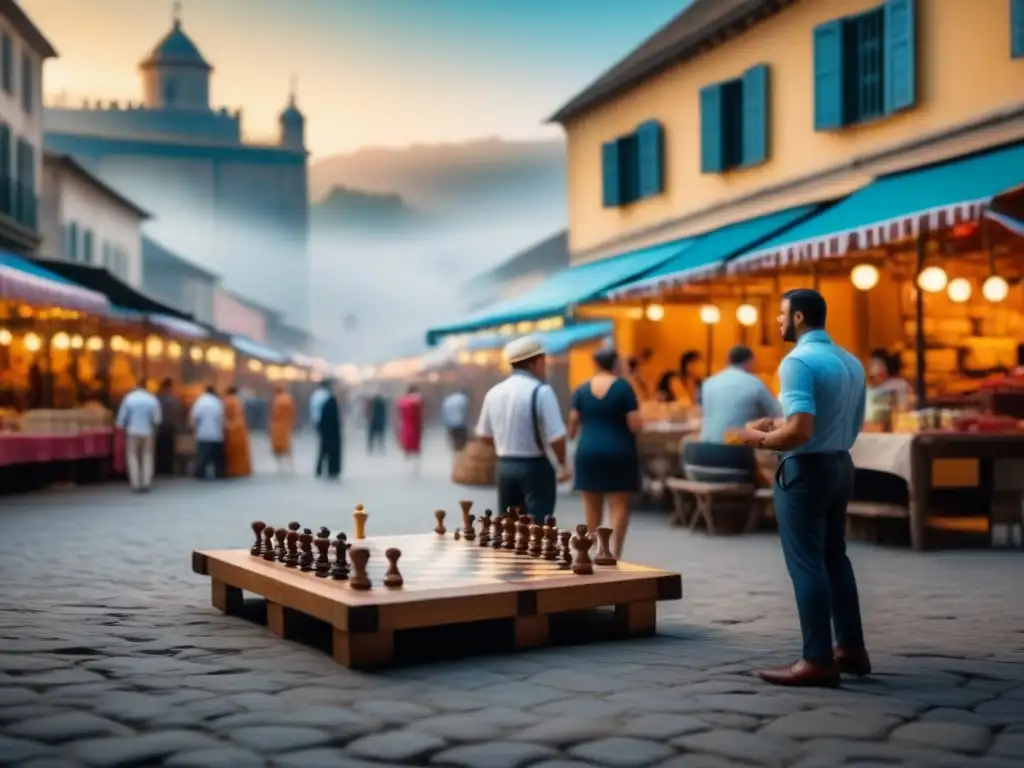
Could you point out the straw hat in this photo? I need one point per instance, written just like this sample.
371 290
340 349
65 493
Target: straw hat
522 349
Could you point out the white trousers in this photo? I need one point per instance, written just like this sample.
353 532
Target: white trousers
140 461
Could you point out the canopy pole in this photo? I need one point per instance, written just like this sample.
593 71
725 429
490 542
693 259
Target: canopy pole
919 339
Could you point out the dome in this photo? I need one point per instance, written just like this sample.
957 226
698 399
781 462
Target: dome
176 48
292 115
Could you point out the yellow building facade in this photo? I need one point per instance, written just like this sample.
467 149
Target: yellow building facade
825 97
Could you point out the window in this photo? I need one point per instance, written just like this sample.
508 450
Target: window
72 251
865 66
633 166
6 180
25 186
1017 29
6 62
87 246
27 88
734 122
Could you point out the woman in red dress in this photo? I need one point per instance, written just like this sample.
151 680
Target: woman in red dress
410 422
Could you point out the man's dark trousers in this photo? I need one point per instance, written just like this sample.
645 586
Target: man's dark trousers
811 494
527 483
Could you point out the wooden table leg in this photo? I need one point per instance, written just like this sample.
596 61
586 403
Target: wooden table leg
920 491
678 515
636 618
280 620
531 631
225 598
363 650
705 502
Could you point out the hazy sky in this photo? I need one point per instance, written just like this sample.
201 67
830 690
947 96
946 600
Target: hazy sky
370 72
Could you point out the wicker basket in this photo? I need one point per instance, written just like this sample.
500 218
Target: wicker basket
475 464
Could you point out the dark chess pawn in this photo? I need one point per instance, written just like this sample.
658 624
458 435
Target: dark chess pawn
257 528
523 539
564 550
604 554
550 550
536 540
469 534
268 543
485 528
360 559
497 538
324 532
306 559
509 537
581 543
550 521
339 571
393 578
279 551
323 558
291 557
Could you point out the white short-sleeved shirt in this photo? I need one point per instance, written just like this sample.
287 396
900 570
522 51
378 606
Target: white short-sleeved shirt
506 416
139 413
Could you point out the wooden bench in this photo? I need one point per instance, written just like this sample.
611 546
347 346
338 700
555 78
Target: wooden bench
709 499
876 509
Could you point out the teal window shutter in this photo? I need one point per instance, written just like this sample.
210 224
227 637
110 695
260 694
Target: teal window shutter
1017 29
629 169
611 176
651 138
755 115
900 55
829 75
712 155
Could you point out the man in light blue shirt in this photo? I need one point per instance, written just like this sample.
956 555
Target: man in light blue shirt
734 397
823 391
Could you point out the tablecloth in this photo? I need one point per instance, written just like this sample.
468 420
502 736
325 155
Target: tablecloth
884 452
16 449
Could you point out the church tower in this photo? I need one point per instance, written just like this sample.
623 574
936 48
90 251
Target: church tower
175 75
293 124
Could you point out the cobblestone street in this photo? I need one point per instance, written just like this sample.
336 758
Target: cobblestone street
111 654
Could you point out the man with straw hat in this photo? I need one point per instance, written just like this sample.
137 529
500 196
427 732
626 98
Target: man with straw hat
520 416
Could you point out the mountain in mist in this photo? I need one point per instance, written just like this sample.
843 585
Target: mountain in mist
350 209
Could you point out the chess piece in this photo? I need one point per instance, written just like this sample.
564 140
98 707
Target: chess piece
564 549
439 529
360 557
268 543
550 550
523 539
550 521
604 554
469 534
457 535
466 506
291 557
485 528
359 515
498 535
323 560
306 560
509 534
582 565
536 540
294 526
257 528
325 532
339 571
393 578
279 551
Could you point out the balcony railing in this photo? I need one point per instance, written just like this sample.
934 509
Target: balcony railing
20 202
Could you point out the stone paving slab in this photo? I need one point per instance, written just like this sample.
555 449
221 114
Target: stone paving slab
110 654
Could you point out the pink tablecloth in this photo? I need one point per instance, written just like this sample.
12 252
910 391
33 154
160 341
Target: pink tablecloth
40 449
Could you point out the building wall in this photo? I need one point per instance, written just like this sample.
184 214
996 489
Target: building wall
232 316
131 121
180 289
965 73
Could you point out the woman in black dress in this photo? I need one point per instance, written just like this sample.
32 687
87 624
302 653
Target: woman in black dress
606 415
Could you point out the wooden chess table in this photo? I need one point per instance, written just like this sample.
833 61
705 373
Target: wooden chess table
445 582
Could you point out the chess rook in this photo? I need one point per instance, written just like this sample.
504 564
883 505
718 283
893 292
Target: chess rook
393 578
604 554
359 516
439 529
360 557
582 565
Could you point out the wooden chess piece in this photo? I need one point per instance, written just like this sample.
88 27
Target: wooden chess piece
323 559
393 578
339 572
604 554
509 534
294 526
523 540
550 551
582 565
498 536
360 557
457 535
268 543
306 560
550 521
564 549
359 515
536 540
279 551
257 528
439 529
291 557
324 532
466 506
470 533
485 528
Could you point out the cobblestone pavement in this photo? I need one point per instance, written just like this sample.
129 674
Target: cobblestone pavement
110 653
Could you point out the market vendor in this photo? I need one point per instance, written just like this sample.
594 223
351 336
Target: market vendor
887 392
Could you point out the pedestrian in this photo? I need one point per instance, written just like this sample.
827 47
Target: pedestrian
410 424
316 405
282 422
139 416
455 417
167 432
237 459
330 429
606 416
520 417
823 390
207 420
376 423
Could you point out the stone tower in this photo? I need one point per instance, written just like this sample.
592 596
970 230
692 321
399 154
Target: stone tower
175 75
293 124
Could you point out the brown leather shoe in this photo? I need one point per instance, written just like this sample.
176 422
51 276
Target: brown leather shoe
853 663
803 674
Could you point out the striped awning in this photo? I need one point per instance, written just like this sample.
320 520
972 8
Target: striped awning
21 280
895 208
254 349
1009 222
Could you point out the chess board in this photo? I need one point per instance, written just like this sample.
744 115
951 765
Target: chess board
445 582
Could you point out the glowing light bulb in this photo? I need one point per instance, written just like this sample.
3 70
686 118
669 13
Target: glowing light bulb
932 279
747 315
654 312
710 314
6 337
864 277
995 289
32 342
959 290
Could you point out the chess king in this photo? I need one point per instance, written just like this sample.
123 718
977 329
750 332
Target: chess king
521 418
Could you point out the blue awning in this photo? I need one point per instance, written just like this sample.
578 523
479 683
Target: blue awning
707 253
571 286
554 342
894 208
22 280
1011 223
252 348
